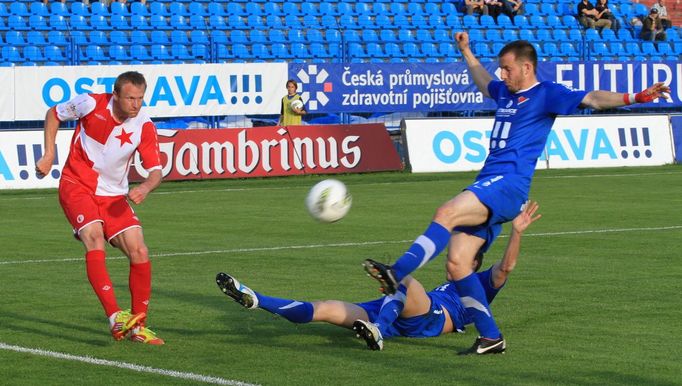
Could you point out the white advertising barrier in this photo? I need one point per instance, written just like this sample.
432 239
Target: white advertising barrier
7 94
172 90
446 145
19 151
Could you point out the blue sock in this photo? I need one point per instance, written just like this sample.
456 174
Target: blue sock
291 310
424 249
473 298
391 308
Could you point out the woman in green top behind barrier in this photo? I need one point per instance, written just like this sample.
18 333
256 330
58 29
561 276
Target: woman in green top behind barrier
292 106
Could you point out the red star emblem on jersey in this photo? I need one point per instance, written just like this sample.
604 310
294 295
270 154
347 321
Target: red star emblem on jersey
124 137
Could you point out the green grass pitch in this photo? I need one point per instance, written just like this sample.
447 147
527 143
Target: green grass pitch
594 299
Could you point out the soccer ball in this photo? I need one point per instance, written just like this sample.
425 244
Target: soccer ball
296 104
328 201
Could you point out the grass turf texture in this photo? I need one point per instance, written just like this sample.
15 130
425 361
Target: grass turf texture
594 299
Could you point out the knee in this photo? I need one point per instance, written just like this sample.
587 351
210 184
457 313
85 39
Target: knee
139 254
459 266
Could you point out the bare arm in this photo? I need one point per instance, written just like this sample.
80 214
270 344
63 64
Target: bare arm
140 192
503 268
600 100
481 76
51 125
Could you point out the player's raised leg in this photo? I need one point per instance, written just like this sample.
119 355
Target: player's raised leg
463 209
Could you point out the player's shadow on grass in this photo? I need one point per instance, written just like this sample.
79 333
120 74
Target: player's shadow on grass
24 323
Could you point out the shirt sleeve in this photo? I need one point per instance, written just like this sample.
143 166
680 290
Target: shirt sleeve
76 108
562 100
149 147
494 88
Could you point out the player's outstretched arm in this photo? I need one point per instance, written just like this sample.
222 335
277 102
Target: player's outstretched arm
503 268
600 100
51 125
481 76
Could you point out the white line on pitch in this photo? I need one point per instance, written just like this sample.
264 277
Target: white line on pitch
337 245
124 365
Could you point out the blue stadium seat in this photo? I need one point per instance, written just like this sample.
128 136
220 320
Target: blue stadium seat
33 54
447 50
160 52
99 22
139 22
521 22
216 8
527 34
217 22
532 9
316 36
429 49
419 21
118 52
544 35
406 36
599 49
199 37
58 22
99 8
632 48
415 8
319 50
280 50
260 51
201 51
36 38
177 8
369 35
180 52
290 8
12 54
311 21
238 36
158 8
392 50
648 48
139 37
197 8
423 35
276 36
356 50
159 37
550 49
592 35
482 49
640 9
15 38
568 49
332 36
54 54
300 51
219 37
58 8
255 22
272 8
569 21
117 8
179 37
39 8
559 35
617 49
179 22
351 36
119 22
259 36
274 21
327 8
296 36
119 37
79 38
347 21
411 50
537 21
17 22
374 50
664 48
624 35
57 38
436 22
140 52
310 8
361 8
37 22
470 22
94 53
158 22
137 8
487 21
98 38
553 21
19 8
505 22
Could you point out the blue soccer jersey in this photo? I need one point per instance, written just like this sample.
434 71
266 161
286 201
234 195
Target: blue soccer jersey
431 324
522 123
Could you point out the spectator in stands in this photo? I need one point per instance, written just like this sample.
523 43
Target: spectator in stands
662 14
604 12
652 28
495 8
477 6
513 7
589 17
290 113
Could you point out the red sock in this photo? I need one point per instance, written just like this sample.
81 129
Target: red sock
99 280
140 282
